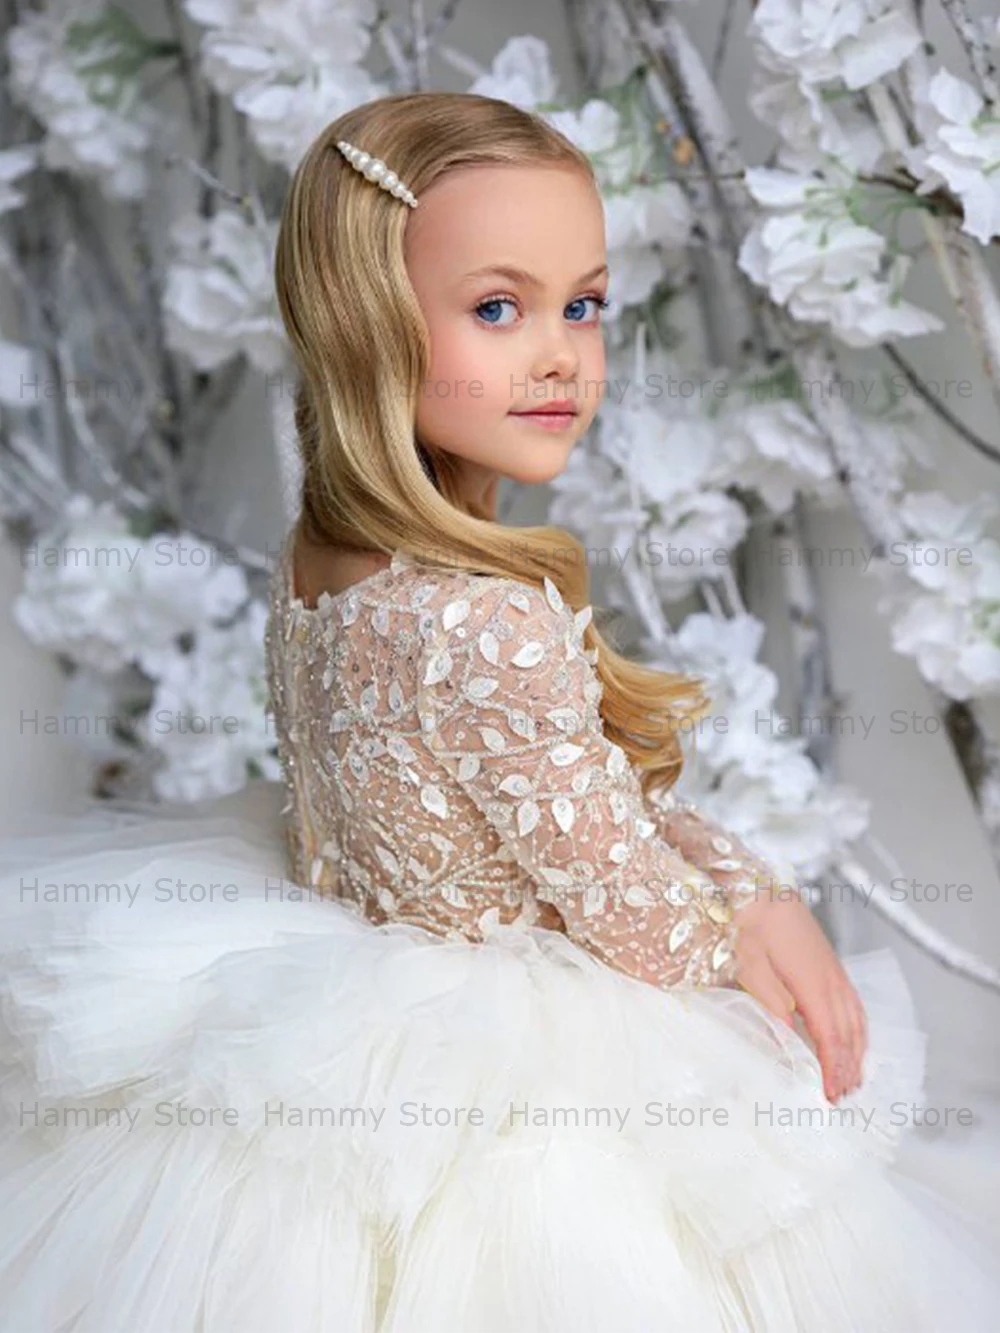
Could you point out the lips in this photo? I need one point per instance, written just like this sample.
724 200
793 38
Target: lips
558 408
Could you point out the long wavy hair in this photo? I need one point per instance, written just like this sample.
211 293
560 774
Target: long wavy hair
362 350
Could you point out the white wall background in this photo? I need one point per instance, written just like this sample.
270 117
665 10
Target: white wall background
920 809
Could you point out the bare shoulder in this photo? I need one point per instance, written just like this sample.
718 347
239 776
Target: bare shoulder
331 569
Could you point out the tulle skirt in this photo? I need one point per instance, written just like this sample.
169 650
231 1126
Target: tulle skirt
232 1105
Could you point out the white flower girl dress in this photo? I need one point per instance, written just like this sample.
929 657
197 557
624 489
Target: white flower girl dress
449 1043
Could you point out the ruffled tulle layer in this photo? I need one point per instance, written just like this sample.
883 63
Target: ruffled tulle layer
233 1106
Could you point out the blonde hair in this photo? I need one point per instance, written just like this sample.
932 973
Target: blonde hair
362 349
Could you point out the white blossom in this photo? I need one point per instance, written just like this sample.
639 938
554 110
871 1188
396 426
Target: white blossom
799 822
810 125
286 118
853 42
218 298
823 266
669 459
290 68
667 451
596 129
96 123
942 589
521 73
693 538
108 599
751 773
207 718
183 586
773 448
961 149
810 56
724 652
642 226
78 587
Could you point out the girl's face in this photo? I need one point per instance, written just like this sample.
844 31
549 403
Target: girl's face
506 343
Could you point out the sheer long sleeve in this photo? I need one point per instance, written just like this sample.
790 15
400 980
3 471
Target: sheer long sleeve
507 700
716 850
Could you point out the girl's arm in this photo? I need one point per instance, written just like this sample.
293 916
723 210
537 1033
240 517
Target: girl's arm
786 955
716 850
508 705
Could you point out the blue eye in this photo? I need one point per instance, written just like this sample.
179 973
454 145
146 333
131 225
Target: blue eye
582 300
489 310
493 304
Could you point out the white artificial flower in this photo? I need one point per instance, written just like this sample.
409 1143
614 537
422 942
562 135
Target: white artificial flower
810 125
664 450
78 592
596 129
692 538
183 586
724 651
853 42
290 68
107 599
521 73
208 719
751 774
773 448
218 298
641 493
287 117
952 650
961 149
15 163
646 228
824 267
96 124
797 821
942 588
245 39
952 551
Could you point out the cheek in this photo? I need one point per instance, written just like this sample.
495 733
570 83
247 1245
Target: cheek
466 369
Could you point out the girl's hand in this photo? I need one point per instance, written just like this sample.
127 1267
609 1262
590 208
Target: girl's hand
757 976
803 964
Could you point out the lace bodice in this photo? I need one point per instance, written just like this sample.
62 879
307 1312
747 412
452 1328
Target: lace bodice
445 765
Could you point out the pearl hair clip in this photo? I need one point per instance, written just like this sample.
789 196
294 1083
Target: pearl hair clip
375 170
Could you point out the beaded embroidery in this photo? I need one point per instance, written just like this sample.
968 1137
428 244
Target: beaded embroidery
445 765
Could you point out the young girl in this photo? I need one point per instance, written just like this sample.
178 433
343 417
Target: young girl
501 1038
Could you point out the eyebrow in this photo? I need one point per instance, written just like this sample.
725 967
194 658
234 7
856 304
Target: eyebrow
516 274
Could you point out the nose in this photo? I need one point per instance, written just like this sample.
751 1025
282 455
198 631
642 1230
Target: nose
556 353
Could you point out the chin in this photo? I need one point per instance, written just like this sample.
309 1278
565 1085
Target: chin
537 471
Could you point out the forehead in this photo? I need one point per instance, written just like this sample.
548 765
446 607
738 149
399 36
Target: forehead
547 220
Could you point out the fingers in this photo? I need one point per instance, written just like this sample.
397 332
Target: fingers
839 1027
832 1011
848 1073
